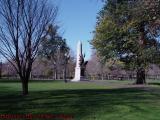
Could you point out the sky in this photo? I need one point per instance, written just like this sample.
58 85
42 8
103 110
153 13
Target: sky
77 20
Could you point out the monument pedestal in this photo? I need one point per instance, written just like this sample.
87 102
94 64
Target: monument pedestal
77 75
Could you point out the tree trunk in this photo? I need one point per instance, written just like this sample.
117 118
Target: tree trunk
55 75
25 87
65 74
102 76
141 76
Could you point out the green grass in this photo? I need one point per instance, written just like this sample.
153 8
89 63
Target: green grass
108 100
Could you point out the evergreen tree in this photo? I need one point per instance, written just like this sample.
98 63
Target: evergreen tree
54 48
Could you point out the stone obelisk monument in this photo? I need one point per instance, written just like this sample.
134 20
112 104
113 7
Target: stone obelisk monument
80 64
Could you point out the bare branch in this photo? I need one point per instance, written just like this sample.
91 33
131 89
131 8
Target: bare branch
22 25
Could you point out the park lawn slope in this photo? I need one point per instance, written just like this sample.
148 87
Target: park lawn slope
84 101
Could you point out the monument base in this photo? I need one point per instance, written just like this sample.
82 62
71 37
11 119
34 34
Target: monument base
79 79
78 76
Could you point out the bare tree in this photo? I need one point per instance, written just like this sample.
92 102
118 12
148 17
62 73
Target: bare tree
22 26
94 66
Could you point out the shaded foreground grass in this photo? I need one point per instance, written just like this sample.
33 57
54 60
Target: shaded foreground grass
84 101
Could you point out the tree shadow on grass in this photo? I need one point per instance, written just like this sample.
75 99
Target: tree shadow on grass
154 83
79 103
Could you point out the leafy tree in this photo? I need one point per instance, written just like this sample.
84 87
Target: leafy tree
22 26
128 30
54 48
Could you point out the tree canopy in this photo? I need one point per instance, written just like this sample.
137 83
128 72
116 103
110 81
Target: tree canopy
129 30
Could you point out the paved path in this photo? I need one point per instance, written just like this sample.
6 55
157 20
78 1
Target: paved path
117 84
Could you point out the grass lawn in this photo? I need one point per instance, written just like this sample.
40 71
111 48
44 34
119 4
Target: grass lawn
109 100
